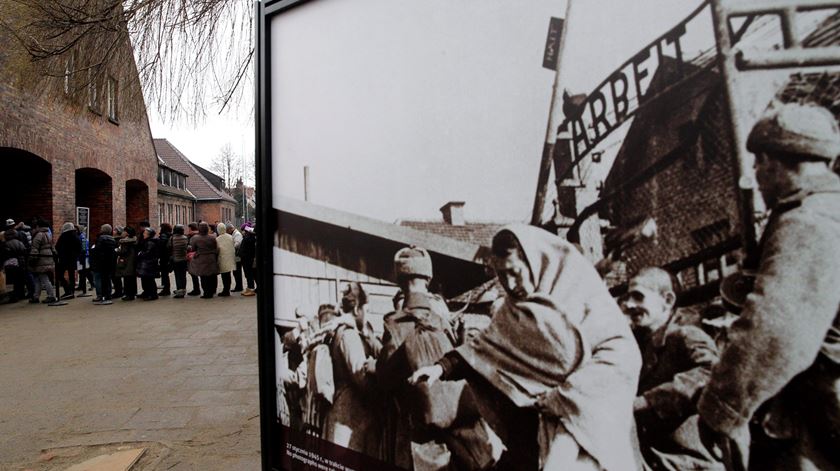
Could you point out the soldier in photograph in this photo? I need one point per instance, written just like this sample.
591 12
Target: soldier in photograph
420 310
676 360
784 351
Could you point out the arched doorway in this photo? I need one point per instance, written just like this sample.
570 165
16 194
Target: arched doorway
136 202
94 190
26 191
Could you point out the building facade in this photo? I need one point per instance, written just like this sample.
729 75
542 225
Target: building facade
211 203
176 205
77 140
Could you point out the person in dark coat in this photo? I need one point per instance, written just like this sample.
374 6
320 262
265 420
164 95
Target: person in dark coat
422 310
126 267
192 230
783 354
14 264
163 253
676 360
116 280
41 262
147 264
69 246
103 258
177 250
248 254
204 263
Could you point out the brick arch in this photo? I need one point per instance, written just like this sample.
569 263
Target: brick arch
136 202
27 189
94 189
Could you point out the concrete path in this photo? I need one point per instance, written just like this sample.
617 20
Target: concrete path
178 376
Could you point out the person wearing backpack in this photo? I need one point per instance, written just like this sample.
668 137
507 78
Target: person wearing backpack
336 381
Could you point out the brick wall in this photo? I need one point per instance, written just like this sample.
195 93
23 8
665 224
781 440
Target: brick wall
136 203
176 210
691 197
212 211
40 119
94 190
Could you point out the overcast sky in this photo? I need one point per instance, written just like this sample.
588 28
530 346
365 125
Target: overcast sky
399 106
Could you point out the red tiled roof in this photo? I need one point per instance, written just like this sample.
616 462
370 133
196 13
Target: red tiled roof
197 184
472 232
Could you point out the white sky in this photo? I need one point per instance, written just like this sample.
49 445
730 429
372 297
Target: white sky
399 106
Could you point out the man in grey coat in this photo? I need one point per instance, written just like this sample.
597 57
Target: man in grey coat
783 353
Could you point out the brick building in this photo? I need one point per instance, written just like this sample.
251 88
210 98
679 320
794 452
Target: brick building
176 205
77 140
455 226
676 169
211 203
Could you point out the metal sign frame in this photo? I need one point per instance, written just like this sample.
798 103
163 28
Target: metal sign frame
734 63
270 436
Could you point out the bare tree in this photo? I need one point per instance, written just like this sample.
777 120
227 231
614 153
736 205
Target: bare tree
228 165
191 55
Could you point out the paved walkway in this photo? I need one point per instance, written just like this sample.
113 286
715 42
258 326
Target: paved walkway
178 376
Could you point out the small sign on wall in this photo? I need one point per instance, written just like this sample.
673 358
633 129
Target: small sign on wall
83 219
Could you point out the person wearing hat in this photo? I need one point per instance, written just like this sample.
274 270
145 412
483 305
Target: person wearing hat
420 308
676 359
783 353
348 421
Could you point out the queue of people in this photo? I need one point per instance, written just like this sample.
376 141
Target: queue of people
36 260
566 377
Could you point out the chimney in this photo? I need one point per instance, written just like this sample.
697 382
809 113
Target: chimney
453 213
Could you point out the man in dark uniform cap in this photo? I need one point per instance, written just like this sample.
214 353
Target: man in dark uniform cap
420 309
784 351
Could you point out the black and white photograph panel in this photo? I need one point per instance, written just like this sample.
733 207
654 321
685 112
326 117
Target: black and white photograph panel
567 235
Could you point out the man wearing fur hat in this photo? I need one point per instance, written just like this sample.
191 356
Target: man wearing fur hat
420 308
784 352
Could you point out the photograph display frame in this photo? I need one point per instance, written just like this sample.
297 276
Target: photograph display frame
677 193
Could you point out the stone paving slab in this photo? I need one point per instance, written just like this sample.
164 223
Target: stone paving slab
179 373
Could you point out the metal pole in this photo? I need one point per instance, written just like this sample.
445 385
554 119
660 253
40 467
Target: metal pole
306 183
551 128
745 182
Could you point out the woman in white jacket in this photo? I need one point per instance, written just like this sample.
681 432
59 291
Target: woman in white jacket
226 257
